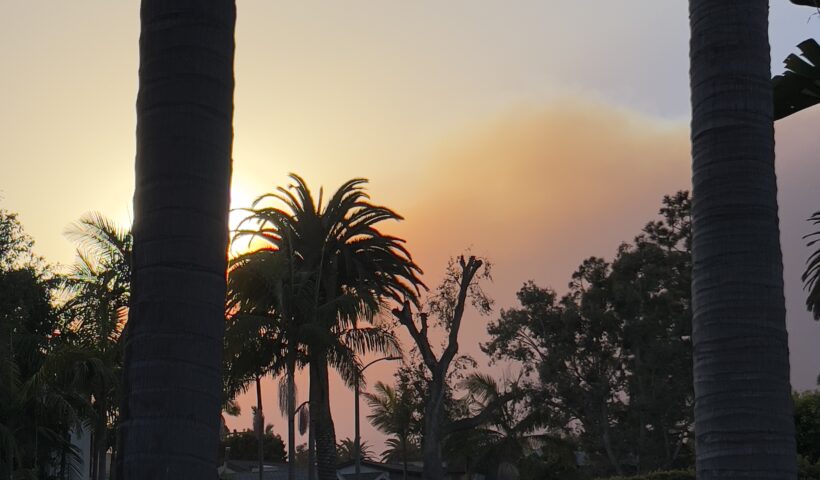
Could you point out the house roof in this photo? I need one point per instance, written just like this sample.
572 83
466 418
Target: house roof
363 476
385 467
248 470
415 468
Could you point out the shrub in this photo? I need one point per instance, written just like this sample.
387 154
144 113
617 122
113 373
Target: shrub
666 475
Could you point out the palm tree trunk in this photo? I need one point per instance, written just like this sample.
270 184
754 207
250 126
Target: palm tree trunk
321 419
63 463
311 452
101 462
101 451
112 472
92 457
743 412
291 419
173 346
260 434
404 459
101 441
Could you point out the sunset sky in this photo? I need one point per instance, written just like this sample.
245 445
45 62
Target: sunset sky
535 133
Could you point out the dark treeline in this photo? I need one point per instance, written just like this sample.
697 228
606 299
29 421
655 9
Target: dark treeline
603 382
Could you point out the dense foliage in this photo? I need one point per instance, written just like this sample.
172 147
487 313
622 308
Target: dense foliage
605 384
42 392
346 451
325 269
807 429
245 446
609 362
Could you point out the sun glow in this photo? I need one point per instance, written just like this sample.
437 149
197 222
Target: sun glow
242 197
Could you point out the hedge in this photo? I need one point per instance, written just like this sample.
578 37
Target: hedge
666 475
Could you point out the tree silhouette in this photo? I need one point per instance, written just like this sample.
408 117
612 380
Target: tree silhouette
446 306
340 269
743 412
346 450
391 413
99 285
173 347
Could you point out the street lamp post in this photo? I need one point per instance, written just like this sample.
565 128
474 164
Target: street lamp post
357 438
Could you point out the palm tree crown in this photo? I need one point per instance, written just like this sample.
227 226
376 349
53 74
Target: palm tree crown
326 266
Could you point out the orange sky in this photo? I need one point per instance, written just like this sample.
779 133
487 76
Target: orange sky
535 133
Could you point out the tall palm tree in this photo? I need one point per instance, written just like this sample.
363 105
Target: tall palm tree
246 362
392 414
98 286
743 412
267 334
259 339
349 268
173 347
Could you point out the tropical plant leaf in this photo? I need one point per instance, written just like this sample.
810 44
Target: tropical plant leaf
799 86
812 273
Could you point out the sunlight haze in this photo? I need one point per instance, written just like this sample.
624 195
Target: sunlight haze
535 133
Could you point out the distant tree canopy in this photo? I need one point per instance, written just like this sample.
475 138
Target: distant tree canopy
609 362
36 410
807 424
244 446
807 430
59 348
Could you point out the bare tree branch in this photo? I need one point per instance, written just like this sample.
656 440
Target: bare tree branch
405 317
468 271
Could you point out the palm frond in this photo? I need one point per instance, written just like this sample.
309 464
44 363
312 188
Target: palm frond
304 418
101 237
482 386
812 273
372 340
799 86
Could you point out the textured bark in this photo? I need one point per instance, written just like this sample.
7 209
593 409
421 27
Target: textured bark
321 420
92 457
743 412
173 346
112 472
100 436
260 432
63 463
100 453
311 451
291 419
434 418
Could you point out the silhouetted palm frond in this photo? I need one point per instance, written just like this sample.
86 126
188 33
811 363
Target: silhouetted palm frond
812 273
799 86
